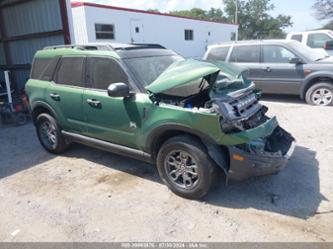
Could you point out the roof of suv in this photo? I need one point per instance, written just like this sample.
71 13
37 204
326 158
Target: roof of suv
252 42
117 50
311 31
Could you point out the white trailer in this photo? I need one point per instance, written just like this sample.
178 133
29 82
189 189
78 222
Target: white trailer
189 37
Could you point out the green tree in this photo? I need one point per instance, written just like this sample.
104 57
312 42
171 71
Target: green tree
329 25
254 19
213 14
153 10
324 9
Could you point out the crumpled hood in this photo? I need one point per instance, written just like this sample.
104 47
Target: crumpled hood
180 74
185 72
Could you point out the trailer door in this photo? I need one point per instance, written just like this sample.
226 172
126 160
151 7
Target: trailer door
137 32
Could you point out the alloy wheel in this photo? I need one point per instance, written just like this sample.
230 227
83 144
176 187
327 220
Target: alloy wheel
322 96
48 134
182 169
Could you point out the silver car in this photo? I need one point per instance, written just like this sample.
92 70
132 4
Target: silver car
281 67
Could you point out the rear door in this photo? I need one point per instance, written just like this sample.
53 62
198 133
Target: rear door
111 119
65 93
218 53
248 56
278 75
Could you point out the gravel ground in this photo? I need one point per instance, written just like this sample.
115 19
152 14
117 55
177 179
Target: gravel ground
91 195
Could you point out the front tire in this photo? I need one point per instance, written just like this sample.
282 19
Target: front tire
185 167
320 94
49 134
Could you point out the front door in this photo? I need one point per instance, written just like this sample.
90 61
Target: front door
110 119
65 93
278 75
137 32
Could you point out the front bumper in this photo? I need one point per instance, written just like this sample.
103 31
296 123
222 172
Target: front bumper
245 164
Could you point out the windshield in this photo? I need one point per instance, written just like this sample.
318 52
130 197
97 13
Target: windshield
147 69
309 53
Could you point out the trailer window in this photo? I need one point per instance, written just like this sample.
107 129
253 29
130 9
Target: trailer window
188 34
104 31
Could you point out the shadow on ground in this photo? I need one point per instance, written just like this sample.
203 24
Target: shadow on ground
282 98
20 149
295 191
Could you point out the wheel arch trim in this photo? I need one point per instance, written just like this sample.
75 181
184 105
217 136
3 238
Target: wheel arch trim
158 132
308 80
44 105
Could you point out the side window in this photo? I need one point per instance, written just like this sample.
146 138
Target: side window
70 71
297 37
318 40
104 71
38 66
48 73
218 53
188 34
246 54
104 31
276 54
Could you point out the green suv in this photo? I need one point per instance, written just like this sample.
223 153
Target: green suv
189 117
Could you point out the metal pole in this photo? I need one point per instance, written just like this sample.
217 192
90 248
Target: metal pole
9 93
236 19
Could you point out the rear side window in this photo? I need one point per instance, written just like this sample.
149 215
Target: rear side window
102 72
70 71
245 54
48 72
297 38
38 66
43 68
218 53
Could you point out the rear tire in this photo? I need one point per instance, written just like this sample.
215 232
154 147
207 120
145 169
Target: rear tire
320 94
49 134
185 167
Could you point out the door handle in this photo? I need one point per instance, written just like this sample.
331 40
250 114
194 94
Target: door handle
93 102
55 96
268 69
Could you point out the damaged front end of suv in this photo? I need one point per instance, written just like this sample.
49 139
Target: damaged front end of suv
217 99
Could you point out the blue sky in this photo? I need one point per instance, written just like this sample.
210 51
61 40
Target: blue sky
300 10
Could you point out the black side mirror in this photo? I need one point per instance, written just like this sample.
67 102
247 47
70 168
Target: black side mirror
118 90
328 45
295 60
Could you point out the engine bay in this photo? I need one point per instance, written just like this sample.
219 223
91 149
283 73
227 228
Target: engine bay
238 110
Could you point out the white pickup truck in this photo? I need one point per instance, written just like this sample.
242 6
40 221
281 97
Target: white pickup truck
317 39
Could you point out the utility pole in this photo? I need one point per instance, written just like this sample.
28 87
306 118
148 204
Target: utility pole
236 20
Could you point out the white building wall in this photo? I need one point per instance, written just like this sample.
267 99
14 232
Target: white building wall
80 26
165 30
70 20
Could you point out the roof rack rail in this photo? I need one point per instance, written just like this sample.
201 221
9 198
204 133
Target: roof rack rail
139 45
82 47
